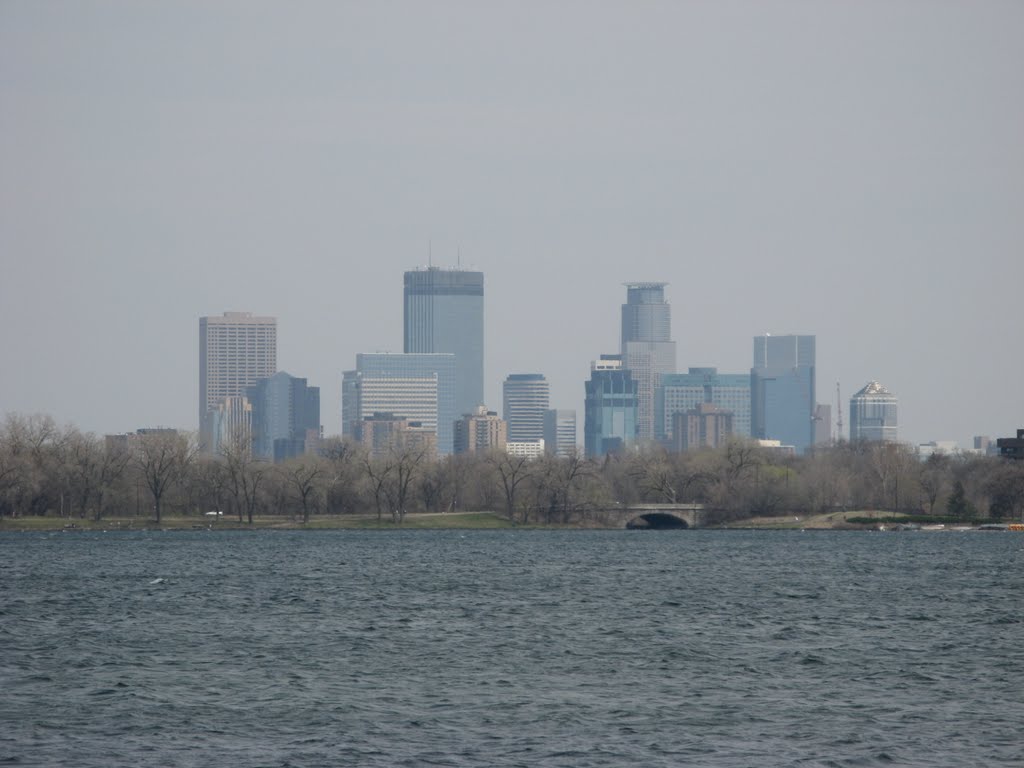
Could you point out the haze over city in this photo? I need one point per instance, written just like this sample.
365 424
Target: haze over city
849 170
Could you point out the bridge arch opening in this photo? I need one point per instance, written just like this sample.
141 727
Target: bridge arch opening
657 521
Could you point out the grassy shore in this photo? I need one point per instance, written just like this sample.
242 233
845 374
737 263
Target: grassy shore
453 520
474 520
829 521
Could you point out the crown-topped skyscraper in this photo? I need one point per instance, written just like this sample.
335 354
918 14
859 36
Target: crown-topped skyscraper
647 349
444 312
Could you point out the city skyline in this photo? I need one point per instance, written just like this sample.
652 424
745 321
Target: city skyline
829 170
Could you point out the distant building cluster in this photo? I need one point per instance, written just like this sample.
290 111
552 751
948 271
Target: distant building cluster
637 396
431 394
244 401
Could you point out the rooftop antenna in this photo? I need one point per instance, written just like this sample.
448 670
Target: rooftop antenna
458 255
430 253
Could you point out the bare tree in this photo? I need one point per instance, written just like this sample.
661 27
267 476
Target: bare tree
212 478
344 459
570 473
892 464
34 477
304 476
161 457
434 486
654 473
736 468
512 471
92 468
670 477
823 480
244 471
378 473
405 460
1005 489
934 479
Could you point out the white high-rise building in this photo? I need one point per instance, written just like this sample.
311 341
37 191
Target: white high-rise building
236 350
412 399
525 398
416 387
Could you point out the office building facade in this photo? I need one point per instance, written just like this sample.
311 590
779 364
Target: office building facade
873 414
782 390
236 350
526 449
444 313
1011 447
525 400
647 349
417 387
682 392
285 416
823 424
560 432
480 431
381 433
610 408
704 426
229 424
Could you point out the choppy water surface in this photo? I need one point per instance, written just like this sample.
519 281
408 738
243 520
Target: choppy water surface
511 648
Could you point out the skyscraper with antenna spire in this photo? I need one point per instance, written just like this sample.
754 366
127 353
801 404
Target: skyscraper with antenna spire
444 312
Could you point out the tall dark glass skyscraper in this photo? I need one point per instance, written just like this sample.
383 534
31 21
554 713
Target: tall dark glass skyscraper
444 312
782 403
610 408
285 412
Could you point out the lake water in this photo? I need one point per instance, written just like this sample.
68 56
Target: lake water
512 648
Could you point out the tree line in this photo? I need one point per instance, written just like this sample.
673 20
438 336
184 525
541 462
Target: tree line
46 469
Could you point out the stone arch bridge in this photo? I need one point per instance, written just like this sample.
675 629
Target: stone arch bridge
657 515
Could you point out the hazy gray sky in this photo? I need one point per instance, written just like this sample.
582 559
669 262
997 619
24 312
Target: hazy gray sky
853 170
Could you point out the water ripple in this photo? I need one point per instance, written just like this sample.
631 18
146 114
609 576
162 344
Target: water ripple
511 648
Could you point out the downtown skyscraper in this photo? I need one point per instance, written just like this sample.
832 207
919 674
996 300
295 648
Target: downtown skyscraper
236 350
782 396
417 387
873 414
647 349
444 313
610 408
525 398
285 416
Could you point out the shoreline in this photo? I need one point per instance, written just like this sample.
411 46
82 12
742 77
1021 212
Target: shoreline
834 521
